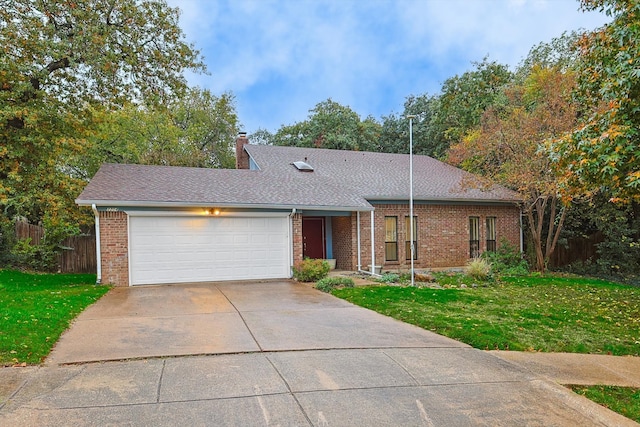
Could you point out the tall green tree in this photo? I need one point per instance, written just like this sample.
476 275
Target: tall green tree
465 98
209 123
261 137
196 130
560 53
603 153
445 118
62 63
427 137
334 126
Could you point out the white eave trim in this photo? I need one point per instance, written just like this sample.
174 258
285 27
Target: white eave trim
203 213
120 203
445 200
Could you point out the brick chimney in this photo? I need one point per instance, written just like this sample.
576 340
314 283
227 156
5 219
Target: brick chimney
242 157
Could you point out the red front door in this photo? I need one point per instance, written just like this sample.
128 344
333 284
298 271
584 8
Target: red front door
313 244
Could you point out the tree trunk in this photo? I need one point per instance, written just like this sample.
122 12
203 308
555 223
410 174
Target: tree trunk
553 235
536 216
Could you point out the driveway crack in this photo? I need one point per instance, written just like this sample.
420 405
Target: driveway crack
290 391
243 319
164 363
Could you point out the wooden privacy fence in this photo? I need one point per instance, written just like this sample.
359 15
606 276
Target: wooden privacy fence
78 255
24 230
577 249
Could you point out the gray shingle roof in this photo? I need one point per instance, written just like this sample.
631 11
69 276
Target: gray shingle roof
341 180
381 176
123 184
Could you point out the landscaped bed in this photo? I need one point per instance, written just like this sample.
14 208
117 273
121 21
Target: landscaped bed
37 309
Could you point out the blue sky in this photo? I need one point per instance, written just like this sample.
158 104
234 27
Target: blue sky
281 58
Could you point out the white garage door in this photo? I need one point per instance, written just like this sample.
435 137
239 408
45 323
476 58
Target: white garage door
197 249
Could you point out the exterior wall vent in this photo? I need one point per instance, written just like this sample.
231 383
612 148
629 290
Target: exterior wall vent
303 166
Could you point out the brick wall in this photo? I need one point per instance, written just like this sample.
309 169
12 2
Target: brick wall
442 233
365 240
343 236
114 247
297 238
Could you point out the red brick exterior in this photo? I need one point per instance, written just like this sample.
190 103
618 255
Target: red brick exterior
343 237
296 228
442 234
114 248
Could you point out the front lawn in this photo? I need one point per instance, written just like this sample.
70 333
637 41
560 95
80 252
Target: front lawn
533 313
37 308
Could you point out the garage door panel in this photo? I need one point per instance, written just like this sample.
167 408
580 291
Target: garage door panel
181 249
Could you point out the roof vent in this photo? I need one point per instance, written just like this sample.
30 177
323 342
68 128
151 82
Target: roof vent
303 166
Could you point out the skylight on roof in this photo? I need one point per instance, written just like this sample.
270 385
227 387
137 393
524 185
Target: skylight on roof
303 166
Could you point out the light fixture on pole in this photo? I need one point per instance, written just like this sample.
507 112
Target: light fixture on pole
411 226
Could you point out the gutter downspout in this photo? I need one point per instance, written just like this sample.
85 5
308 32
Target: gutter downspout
98 253
372 272
373 246
521 234
293 212
359 256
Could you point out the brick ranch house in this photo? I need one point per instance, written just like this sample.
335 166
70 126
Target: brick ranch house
161 224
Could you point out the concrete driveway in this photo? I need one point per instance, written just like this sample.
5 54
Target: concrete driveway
195 319
295 356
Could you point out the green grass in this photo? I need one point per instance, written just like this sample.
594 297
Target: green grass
37 308
532 313
623 400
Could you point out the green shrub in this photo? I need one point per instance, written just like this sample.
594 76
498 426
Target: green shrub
43 256
329 283
7 241
389 278
311 270
506 260
478 268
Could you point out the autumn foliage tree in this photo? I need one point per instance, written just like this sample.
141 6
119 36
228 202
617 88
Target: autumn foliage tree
507 148
602 155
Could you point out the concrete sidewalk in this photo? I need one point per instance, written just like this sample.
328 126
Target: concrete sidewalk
578 369
347 387
275 353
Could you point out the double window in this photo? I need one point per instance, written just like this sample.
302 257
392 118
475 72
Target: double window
391 238
407 244
474 237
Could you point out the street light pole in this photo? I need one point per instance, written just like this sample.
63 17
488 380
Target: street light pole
412 231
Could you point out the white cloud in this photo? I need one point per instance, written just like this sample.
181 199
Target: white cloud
281 58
